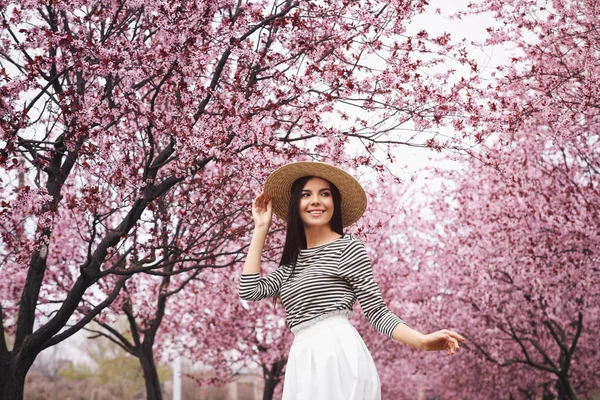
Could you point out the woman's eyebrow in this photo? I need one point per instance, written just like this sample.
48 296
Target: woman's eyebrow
320 190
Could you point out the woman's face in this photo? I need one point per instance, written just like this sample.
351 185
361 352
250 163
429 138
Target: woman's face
316 203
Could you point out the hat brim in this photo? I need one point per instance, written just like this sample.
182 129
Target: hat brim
279 184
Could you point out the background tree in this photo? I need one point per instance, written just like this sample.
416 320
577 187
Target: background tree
512 237
517 255
229 337
203 233
104 371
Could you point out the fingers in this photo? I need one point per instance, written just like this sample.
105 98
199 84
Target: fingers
262 201
453 335
262 210
269 205
266 200
445 340
452 345
450 341
256 201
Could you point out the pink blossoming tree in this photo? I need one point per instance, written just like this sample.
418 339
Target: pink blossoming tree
115 114
512 238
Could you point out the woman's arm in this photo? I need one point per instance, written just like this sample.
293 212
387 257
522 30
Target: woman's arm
262 214
252 287
354 266
252 262
440 340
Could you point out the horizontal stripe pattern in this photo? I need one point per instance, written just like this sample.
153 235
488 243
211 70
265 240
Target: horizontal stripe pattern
327 278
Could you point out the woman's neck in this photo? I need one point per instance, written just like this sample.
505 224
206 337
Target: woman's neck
318 236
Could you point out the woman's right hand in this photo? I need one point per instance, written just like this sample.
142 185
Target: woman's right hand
262 212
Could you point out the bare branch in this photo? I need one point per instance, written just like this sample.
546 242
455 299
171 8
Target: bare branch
88 317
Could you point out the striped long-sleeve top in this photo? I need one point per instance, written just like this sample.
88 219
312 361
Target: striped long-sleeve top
327 279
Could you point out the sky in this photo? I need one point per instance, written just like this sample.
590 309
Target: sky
411 161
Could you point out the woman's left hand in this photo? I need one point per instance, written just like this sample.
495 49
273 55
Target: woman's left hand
443 340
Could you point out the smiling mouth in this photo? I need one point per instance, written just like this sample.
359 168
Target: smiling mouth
316 213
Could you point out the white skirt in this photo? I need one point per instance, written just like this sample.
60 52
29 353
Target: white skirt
329 361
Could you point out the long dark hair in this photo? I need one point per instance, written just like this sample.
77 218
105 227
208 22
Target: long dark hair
295 239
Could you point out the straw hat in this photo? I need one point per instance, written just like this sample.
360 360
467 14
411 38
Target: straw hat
279 186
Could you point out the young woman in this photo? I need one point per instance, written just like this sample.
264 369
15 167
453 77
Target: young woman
321 275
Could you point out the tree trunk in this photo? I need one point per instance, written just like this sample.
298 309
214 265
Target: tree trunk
547 394
12 383
272 378
270 385
151 380
565 389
